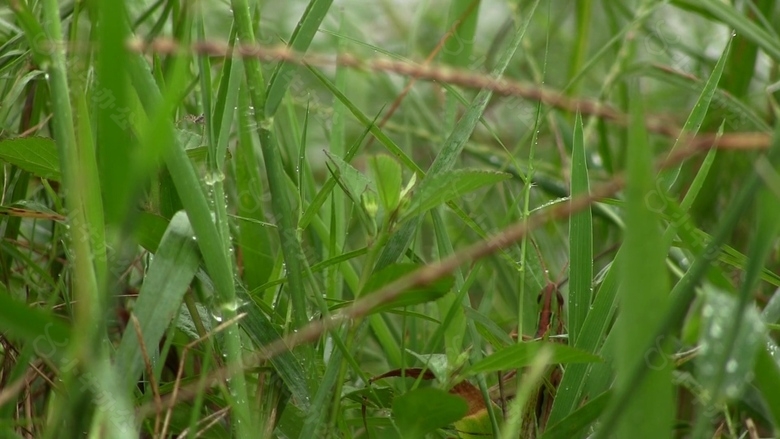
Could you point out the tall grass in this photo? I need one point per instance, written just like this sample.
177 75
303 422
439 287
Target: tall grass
398 219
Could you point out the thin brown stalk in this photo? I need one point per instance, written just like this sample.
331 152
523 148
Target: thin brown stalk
662 125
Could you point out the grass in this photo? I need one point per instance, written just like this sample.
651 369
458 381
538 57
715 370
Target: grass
403 219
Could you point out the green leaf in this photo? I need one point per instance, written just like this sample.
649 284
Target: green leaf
387 175
422 411
717 315
449 185
169 276
642 270
580 240
412 296
36 155
696 117
355 182
299 41
523 354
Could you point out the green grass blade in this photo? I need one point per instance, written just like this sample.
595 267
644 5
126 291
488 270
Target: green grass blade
696 117
732 351
113 145
684 291
579 419
642 270
521 355
209 237
580 241
299 41
160 296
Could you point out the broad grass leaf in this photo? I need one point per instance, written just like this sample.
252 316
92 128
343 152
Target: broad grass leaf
422 411
412 296
387 173
354 181
168 278
717 314
36 155
523 354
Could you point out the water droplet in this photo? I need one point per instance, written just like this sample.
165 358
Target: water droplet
732 391
716 331
213 178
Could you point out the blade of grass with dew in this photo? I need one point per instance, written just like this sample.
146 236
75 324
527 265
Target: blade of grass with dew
683 292
299 42
454 144
337 146
280 198
313 426
643 291
254 240
735 348
747 115
679 225
88 299
696 116
574 377
167 279
192 197
580 241
262 332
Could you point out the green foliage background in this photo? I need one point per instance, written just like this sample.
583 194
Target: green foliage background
351 219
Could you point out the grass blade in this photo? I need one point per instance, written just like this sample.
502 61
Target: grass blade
299 41
580 241
168 278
